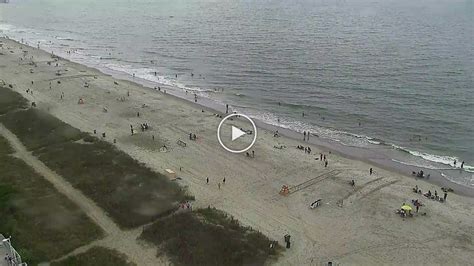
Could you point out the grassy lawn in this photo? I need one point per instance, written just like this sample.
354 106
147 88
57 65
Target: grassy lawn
209 237
44 223
95 256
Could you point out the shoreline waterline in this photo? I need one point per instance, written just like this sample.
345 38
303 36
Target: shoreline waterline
373 156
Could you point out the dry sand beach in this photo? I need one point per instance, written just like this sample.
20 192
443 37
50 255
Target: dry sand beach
365 230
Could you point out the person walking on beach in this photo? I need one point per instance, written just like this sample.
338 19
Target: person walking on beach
253 154
326 164
304 135
455 163
417 205
371 171
445 195
223 181
207 180
462 165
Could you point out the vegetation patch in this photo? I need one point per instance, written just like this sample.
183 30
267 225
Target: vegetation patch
37 129
96 256
209 237
43 223
11 100
129 192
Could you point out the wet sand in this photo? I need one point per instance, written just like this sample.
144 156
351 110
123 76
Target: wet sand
365 230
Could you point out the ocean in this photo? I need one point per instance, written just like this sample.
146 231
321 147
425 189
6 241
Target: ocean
394 77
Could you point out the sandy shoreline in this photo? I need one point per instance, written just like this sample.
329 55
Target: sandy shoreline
364 231
377 156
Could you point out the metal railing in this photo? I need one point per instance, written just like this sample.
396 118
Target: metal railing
12 257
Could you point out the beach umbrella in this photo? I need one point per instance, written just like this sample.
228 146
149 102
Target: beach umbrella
406 208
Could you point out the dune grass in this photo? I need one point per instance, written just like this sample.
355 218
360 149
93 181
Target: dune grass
96 256
209 237
10 100
129 192
43 223
134 195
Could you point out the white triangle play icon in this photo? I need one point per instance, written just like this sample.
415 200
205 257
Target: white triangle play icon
237 133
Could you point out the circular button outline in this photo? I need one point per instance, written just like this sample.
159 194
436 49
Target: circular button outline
219 130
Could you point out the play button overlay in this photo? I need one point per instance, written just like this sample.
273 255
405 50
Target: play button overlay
237 133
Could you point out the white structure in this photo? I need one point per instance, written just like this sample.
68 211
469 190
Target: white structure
9 256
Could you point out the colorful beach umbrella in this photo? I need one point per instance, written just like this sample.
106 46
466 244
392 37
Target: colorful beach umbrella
407 208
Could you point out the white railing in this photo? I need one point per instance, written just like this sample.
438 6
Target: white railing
12 258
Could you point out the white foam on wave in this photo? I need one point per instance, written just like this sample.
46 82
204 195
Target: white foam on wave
420 165
374 142
146 73
465 181
65 38
446 160
344 138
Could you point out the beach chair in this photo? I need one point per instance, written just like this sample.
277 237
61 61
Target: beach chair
315 204
181 143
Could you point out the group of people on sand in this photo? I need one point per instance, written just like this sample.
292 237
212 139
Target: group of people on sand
323 158
144 126
405 210
420 174
462 164
433 196
307 150
248 154
192 136
218 184
186 205
306 135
